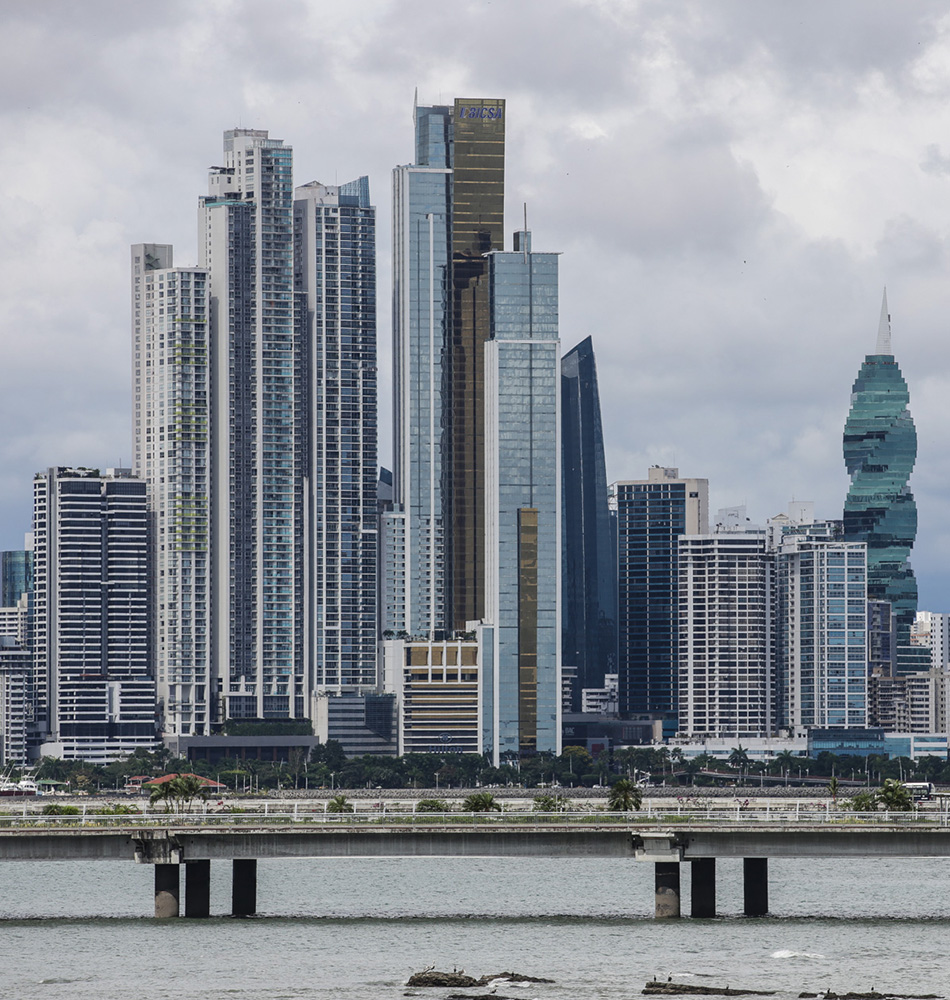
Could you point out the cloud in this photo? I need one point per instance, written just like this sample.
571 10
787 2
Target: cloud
730 185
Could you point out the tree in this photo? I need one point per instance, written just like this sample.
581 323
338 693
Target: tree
863 802
833 789
895 797
339 804
739 758
624 795
481 802
551 803
433 806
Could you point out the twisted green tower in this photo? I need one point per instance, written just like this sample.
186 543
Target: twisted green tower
880 448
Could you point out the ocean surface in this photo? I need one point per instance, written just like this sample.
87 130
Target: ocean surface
352 929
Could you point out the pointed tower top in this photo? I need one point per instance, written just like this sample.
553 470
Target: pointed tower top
884 329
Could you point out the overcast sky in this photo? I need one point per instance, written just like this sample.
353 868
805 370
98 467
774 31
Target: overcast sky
731 184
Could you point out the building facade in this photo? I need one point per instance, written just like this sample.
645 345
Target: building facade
335 281
652 515
726 655
171 387
93 686
475 511
822 637
589 573
255 427
246 244
880 448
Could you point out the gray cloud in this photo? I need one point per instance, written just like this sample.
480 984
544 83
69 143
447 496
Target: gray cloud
731 185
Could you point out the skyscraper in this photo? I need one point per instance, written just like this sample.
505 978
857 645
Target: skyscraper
880 448
257 618
474 498
335 279
93 688
255 427
589 589
652 514
521 493
170 313
726 651
821 583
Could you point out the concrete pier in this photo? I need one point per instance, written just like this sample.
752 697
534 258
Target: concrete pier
667 889
755 886
702 892
244 887
167 890
197 888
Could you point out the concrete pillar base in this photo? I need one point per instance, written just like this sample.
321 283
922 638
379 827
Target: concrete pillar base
167 891
755 886
667 889
244 887
703 887
197 888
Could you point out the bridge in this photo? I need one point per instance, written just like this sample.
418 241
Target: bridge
667 838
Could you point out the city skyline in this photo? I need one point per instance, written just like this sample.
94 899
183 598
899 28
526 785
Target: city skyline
758 234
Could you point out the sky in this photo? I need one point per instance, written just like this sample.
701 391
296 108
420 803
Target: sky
731 184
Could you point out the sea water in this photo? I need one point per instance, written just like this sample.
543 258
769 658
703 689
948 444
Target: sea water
355 929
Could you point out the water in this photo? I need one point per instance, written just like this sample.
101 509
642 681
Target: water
354 929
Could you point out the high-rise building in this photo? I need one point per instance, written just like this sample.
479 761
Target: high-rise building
726 650
170 314
652 515
821 583
255 428
521 708
880 448
93 687
476 506
335 279
246 243
589 573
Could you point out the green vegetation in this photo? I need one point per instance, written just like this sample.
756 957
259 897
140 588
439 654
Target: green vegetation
339 804
480 802
624 795
551 803
433 806
892 796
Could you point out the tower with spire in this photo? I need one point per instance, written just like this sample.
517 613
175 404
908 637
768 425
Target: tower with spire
880 448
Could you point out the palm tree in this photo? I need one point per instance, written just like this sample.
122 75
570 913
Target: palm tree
739 758
624 796
339 804
481 802
893 795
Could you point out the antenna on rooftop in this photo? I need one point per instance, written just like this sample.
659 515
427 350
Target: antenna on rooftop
524 240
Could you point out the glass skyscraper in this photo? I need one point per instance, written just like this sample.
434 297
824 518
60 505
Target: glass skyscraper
652 514
475 508
589 588
880 448
255 427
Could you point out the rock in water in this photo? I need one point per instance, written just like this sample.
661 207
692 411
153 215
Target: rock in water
431 977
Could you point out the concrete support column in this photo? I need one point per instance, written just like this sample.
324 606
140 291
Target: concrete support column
244 887
166 890
667 889
755 886
197 888
702 892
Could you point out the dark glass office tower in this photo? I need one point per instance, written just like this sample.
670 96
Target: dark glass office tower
652 514
880 448
589 585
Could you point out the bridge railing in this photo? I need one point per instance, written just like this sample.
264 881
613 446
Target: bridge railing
665 817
